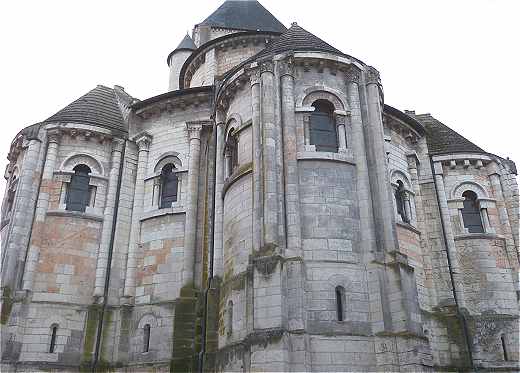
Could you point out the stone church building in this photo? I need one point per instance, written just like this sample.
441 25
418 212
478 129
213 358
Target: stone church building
269 212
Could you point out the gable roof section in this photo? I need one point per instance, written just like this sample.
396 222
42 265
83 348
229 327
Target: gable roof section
99 107
244 15
442 139
296 38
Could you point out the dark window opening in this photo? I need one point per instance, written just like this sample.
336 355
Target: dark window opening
471 213
169 186
323 128
340 294
78 194
52 346
504 347
11 192
400 201
231 151
230 318
146 339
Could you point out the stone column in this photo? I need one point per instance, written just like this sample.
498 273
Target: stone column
53 139
383 208
342 137
190 227
290 150
358 148
218 257
143 146
257 162
448 232
108 220
22 212
269 164
407 207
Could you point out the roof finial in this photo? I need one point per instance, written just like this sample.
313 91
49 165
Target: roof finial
294 24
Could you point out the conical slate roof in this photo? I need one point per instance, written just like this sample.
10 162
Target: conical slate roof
187 44
247 15
99 107
442 139
296 38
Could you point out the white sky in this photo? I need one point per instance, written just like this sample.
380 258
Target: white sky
456 59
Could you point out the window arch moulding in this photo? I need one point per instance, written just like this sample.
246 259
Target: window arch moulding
72 161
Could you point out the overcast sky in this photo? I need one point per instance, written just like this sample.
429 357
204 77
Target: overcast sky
457 60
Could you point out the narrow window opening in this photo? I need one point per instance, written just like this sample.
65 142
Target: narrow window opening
169 186
78 194
323 132
230 318
52 347
146 340
504 347
471 213
340 293
400 200
231 153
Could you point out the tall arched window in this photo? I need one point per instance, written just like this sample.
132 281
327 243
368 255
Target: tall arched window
146 338
400 201
52 345
471 213
78 194
340 303
322 130
11 192
169 186
231 152
229 321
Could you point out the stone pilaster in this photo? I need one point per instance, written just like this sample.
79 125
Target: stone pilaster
342 135
143 145
292 192
269 163
257 161
42 205
106 233
218 253
190 228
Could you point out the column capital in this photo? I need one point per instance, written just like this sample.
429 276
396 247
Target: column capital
54 135
352 75
194 129
267 67
254 76
117 144
286 67
372 76
143 141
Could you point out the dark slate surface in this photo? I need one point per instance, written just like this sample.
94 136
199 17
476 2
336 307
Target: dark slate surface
298 39
442 139
244 15
98 107
186 43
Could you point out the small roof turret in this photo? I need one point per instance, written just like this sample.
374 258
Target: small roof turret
186 44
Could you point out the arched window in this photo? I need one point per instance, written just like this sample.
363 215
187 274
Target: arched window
229 314
78 194
340 303
146 338
504 347
11 192
231 152
322 130
52 346
169 186
400 201
471 213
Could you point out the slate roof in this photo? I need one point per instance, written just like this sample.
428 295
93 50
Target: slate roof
186 43
442 139
296 38
99 107
244 15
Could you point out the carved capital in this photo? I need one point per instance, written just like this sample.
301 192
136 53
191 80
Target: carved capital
143 141
194 129
266 67
117 145
254 76
352 75
372 76
340 119
54 135
286 67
